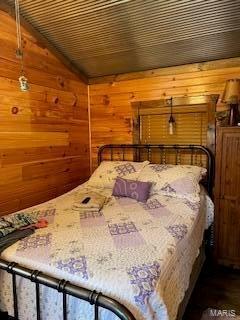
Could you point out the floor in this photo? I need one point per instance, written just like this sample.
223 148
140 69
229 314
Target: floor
217 288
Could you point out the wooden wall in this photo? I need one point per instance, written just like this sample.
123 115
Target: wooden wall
111 97
44 146
44 134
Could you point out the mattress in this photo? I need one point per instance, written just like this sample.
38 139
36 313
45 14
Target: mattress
140 254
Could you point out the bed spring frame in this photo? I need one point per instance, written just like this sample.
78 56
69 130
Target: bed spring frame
97 299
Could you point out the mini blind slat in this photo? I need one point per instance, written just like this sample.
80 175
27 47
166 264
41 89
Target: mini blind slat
190 128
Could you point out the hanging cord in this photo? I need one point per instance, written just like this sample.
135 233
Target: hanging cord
171 119
19 51
171 99
23 81
18 26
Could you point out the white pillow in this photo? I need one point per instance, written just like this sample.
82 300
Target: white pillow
180 181
107 172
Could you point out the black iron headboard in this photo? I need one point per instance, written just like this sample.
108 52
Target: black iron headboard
141 152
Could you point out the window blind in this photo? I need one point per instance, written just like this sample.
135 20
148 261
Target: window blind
189 128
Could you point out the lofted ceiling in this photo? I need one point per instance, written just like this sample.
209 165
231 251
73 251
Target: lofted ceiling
106 37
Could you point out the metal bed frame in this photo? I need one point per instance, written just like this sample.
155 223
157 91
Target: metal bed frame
66 288
97 299
143 152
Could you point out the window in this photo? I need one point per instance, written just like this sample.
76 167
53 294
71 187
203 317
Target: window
189 128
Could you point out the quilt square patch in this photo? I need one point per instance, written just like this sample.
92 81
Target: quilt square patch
122 228
124 169
90 214
35 241
74 266
92 219
125 235
125 241
194 206
153 204
160 167
155 208
178 231
144 279
36 247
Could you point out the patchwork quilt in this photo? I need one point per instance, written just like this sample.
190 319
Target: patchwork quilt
141 254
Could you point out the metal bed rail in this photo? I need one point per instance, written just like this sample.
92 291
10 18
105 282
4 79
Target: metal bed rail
66 288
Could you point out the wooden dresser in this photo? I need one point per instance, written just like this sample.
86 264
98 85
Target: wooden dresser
227 197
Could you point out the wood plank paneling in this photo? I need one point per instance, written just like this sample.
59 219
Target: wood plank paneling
43 42
44 134
111 97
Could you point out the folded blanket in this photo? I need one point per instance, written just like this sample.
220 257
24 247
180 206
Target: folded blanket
12 222
94 202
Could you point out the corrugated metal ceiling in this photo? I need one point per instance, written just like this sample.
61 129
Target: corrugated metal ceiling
105 37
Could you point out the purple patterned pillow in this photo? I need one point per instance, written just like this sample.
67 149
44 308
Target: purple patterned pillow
137 190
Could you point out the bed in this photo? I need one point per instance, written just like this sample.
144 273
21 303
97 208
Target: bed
143 257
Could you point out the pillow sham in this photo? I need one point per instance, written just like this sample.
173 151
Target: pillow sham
180 181
107 172
137 190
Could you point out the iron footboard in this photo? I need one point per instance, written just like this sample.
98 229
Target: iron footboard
97 299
